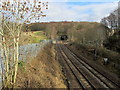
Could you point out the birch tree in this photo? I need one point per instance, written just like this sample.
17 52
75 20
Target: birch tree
14 14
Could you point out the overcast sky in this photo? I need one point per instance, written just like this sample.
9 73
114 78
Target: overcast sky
79 10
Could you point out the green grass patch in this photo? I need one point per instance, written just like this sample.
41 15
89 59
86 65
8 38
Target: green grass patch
37 37
34 40
38 33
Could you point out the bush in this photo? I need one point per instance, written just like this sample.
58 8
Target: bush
113 56
21 65
113 42
101 51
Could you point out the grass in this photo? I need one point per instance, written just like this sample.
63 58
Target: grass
43 71
32 37
37 36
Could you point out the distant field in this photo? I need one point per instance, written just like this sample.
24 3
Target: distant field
37 37
32 37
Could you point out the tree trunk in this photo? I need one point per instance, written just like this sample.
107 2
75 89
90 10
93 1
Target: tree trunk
17 58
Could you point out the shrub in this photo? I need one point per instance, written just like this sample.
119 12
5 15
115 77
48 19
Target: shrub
101 51
21 64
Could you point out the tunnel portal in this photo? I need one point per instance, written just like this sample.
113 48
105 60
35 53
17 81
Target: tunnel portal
63 37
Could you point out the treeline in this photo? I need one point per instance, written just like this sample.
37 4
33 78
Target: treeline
78 32
112 21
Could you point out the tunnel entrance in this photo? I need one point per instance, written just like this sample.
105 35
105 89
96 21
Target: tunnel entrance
63 37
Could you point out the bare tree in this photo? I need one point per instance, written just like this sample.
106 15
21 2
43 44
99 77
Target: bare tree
14 14
111 22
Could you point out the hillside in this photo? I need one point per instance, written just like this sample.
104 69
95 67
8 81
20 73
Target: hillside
80 32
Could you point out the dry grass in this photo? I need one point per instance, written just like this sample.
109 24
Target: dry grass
24 38
41 72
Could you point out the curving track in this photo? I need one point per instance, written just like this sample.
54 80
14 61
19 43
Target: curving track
79 74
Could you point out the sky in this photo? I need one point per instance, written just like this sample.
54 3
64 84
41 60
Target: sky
78 10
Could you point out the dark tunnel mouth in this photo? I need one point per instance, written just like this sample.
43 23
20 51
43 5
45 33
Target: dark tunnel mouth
63 37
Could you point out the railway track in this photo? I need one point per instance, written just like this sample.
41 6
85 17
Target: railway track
79 74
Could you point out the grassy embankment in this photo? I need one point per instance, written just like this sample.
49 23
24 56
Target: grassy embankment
42 71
